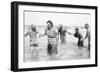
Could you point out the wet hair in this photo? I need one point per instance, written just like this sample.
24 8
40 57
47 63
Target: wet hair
49 21
60 25
76 29
33 27
86 25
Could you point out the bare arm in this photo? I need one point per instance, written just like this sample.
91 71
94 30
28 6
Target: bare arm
41 35
69 33
86 36
26 34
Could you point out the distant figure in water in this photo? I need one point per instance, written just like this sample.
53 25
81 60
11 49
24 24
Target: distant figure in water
52 35
32 32
87 36
78 35
62 34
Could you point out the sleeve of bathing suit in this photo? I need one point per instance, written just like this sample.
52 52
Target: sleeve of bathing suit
55 30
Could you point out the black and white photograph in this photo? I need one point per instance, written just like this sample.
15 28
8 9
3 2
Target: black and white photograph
56 36
52 36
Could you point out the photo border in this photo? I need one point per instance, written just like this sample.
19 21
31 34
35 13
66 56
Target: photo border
14 35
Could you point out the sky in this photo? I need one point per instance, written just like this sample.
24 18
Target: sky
67 19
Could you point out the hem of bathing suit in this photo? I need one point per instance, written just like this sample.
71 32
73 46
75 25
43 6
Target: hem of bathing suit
34 45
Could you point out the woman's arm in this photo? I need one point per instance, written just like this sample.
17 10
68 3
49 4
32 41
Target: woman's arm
41 35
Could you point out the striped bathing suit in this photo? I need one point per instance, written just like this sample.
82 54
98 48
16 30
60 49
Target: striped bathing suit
52 40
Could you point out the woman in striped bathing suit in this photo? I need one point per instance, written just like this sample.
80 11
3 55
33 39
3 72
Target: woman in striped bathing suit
52 35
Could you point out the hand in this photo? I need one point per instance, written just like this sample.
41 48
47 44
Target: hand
39 36
81 39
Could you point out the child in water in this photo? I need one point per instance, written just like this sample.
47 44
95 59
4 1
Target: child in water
88 36
78 35
32 32
62 33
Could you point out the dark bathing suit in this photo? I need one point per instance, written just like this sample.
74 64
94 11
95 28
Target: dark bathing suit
79 36
62 35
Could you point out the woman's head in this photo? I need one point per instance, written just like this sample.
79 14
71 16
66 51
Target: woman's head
49 24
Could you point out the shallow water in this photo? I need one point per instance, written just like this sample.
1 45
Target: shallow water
68 51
